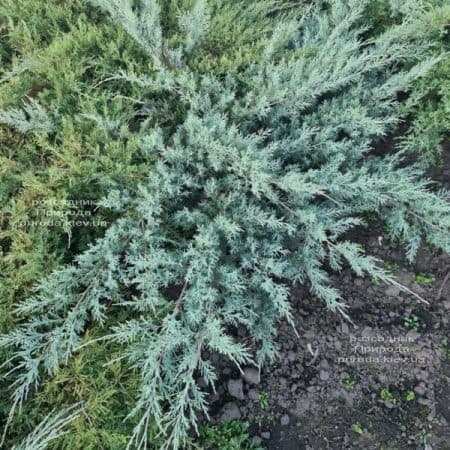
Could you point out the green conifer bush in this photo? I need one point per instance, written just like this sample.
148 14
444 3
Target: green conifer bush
428 106
248 180
426 109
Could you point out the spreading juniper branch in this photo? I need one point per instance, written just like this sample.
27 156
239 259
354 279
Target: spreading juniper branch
253 191
50 429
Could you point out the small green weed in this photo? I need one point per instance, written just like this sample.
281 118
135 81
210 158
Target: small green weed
424 279
228 436
386 394
263 400
390 268
412 322
424 437
374 281
348 383
259 420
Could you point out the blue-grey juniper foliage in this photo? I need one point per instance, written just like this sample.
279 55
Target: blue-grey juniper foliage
49 429
254 191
